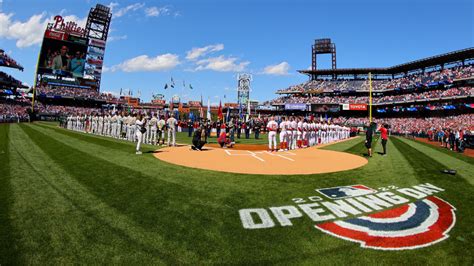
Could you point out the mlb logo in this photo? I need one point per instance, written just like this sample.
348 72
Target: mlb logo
346 191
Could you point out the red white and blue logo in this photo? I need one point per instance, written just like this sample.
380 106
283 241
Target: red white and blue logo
346 191
386 218
410 226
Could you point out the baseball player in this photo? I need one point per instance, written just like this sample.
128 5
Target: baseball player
283 135
139 125
161 130
153 128
272 128
171 124
294 133
299 133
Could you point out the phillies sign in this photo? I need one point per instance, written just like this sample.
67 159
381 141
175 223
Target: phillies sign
389 218
69 27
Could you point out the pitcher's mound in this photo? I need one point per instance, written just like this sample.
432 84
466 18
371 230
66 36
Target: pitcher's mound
302 161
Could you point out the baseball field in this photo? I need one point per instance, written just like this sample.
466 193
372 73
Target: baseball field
68 197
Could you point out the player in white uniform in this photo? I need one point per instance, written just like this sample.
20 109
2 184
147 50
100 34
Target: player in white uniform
306 133
299 133
171 123
283 134
272 128
294 133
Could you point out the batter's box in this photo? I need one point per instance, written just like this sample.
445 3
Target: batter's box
257 154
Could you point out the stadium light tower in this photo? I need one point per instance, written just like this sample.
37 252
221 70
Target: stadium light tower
98 22
323 46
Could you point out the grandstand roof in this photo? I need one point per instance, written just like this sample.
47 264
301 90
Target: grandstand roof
398 69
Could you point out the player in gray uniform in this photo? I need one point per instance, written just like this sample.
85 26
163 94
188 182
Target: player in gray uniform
153 128
161 125
113 125
139 126
171 124
100 125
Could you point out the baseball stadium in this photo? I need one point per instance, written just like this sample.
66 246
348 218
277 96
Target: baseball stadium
371 163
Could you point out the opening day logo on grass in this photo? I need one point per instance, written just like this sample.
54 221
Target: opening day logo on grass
389 218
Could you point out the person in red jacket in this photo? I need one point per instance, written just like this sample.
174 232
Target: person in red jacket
384 136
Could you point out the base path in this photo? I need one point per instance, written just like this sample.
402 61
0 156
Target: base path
302 161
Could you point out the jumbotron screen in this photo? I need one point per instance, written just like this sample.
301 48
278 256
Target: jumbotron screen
70 60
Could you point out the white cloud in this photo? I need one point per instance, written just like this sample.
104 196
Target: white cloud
123 11
221 64
145 63
112 6
117 38
30 32
157 11
197 52
279 69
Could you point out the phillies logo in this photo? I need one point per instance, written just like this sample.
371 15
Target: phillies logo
389 218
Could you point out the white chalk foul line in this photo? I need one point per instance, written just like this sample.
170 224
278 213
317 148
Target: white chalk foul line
255 156
281 156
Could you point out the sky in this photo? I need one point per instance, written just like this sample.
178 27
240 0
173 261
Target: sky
208 43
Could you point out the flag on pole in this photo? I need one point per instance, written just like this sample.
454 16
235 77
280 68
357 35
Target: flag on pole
241 115
208 109
227 116
249 111
201 112
219 111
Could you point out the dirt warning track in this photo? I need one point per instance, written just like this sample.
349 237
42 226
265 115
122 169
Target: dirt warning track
302 161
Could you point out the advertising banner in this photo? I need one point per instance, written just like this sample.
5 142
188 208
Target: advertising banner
354 107
295 106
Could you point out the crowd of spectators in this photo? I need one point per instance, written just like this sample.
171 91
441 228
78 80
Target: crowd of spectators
74 92
7 61
433 94
11 81
445 76
415 126
18 110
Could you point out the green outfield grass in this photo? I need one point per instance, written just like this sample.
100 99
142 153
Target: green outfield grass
68 197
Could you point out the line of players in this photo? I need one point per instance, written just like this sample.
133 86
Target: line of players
296 133
126 126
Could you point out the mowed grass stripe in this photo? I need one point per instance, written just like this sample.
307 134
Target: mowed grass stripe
106 142
67 223
458 192
9 248
143 199
465 168
450 153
